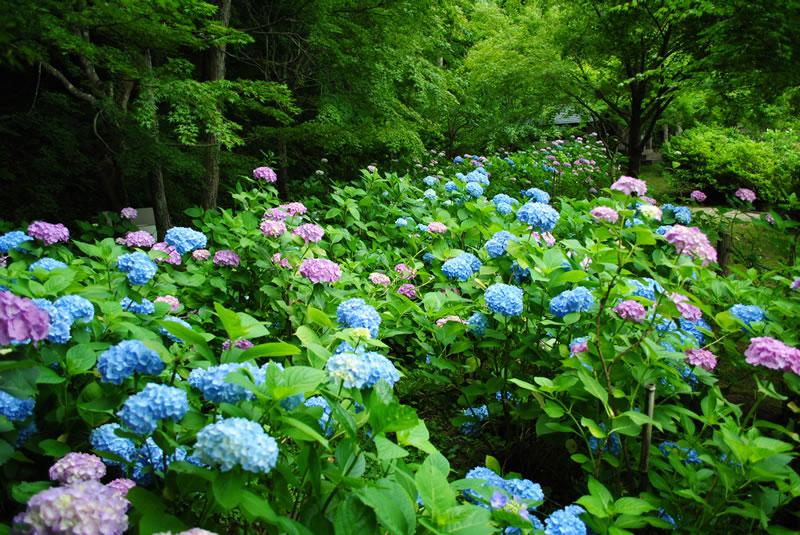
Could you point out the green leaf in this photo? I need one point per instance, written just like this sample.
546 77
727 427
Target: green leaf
388 450
570 276
632 506
21 492
231 322
434 490
183 333
227 488
315 315
352 516
303 431
493 464
80 358
271 349
593 387
54 448
391 505
293 380
466 520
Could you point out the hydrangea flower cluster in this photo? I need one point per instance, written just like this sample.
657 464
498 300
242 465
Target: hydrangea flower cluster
477 324
320 270
474 189
14 408
139 238
128 213
310 232
681 214
172 257
213 382
239 344
773 354
744 194
521 489
272 228
138 267
355 313
49 233
691 242
76 307
690 455
201 254
747 314
701 357
697 196
408 290
436 227
361 370
75 467
539 215
687 310
604 213
142 411
579 345
60 324
537 195
12 240
462 267
21 320
185 239
430 194
646 288
579 299
648 211
168 334
631 310
266 174
279 260
105 439
171 300
122 360
237 441
226 258
504 299
477 415
502 198
405 271
380 279
48 264
325 420
496 246
629 185
565 521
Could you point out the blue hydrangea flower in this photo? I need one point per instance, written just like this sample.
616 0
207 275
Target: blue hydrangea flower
58 331
145 306
237 441
12 240
14 408
345 347
451 186
663 515
138 267
498 243
361 370
355 313
524 489
25 433
504 299
565 521
477 324
458 160
325 420
474 189
185 239
141 412
422 227
121 361
477 415
105 439
214 385
477 176
76 307
428 258
47 264
461 267
579 299
487 475
689 455
430 194
509 161
612 443
537 195
682 214
646 288
635 222
539 215
430 181
503 198
693 328
168 334
504 208
747 314
150 458
663 229
401 222
520 274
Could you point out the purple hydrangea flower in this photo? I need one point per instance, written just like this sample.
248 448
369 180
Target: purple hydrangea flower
49 233
744 194
773 354
629 185
21 320
408 290
128 213
631 310
226 257
173 256
74 467
266 174
272 228
309 232
320 270
139 238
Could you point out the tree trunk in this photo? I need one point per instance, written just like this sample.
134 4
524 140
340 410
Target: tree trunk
283 177
635 133
214 70
159 198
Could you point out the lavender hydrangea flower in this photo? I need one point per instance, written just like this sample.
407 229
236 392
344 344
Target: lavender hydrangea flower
138 267
744 194
74 467
320 270
310 232
172 255
226 258
691 241
171 300
701 357
773 354
272 228
21 320
408 290
604 213
129 213
121 361
49 233
237 441
85 507
185 239
139 238
266 174
631 310
141 412
629 185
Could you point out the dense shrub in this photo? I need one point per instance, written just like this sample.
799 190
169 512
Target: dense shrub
721 160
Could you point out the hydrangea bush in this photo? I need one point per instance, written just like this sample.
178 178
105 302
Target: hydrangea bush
261 390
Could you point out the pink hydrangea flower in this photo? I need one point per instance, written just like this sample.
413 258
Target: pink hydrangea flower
294 208
631 310
21 319
579 346
49 233
227 258
629 185
320 270
309 232
380 279
604 213
745 194
687 310
139 238
548 238
405 271
691 241
272 228
773 354
441 321
279 260
266 174
128 213
172 301
697 196
701 357
239 344
74 467
437 228
648 200
409 290
121 485
278 213
201 254
173 256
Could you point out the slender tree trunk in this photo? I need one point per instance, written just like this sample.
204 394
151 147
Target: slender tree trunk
635 133
158 193
283 177
214 70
